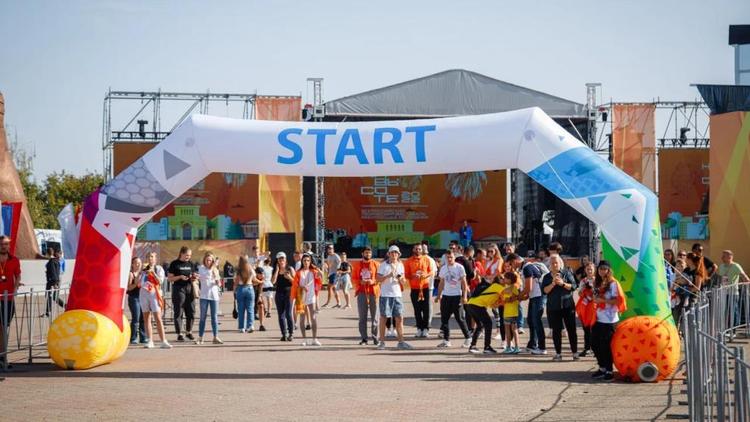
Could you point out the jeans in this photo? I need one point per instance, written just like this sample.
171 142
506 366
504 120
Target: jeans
536 326
205 304
183 302
521 319
451 305
421 308
482 320
284 309
556 319
367 303
136 320
245 306
601 337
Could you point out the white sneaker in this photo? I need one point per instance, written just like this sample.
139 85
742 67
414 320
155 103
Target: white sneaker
444 344
390 333
199 341
426 333
381 345
304 343
467 342
315 342
498 336
539 352
149 345
521 331
165 345
418 334
242 331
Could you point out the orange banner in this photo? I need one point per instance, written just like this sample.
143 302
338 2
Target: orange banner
730 184
683 193
634 141
376 210
221 206
288 109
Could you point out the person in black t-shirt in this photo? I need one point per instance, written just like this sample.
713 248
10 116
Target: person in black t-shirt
282 278
181 273
559 285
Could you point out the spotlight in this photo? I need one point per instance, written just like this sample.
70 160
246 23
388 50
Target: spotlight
142 128
683 135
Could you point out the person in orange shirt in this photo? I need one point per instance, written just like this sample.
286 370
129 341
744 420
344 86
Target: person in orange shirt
417 271
367 291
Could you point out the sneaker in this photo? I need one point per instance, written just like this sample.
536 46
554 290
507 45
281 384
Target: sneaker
348 307
268 315
489 351
145 340
498 336
180 338
528 350
189 336
250 330
199 341
473 349
381 345
557 358
598 374
608 376
375 340
262 328
324 306
133 342
521 331
316 342
539 352
516 351
418 334
426 333
363 342
217 341
402 345
467 342
444 344
391 333
508 351
576 357
583 354
289 338
304 343
283 338
165 345
149 345
243 331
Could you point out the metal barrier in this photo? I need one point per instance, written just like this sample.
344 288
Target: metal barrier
25 319
718 383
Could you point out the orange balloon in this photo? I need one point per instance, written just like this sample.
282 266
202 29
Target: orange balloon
646 348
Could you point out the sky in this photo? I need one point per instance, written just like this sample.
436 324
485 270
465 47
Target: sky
58 59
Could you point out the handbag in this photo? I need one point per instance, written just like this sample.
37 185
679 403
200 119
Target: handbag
234 311
196 290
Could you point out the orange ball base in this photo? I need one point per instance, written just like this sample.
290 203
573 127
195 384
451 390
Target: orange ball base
646 348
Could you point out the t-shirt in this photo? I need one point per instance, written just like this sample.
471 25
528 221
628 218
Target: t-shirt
346 267
209 282
492 269
267 274
730 273
365 270
333 261
608 314
530 269
186 268
559 297
148 287
488 298
452 276
307 280
510 307
390 287
10 270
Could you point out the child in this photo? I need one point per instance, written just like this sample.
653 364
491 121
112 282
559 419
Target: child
509 297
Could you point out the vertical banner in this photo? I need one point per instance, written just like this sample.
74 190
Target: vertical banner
634 141
730 184
11 220
280 196
683 193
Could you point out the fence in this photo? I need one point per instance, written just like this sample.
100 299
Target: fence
24 322
718 386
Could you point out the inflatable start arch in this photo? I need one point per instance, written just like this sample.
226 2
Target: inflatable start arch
92 330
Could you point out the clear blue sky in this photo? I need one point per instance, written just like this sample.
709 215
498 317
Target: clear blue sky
57 59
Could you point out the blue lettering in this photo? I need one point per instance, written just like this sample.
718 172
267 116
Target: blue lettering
378 144
356 149
292 146
320 143
419 132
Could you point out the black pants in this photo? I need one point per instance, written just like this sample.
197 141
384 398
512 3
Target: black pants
587 338
421 308
183 302
556 319
601 337
7 312
451 305
284 310
483 321
53 294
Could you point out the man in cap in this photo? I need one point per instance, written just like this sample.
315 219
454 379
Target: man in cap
390 277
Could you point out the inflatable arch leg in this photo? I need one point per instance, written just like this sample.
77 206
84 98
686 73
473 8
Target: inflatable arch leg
524 139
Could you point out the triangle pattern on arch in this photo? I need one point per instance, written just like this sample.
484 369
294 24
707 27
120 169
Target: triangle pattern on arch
627 253
596 201
173 165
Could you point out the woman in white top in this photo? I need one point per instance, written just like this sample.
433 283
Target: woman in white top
209 278
305 291
152 303
609 302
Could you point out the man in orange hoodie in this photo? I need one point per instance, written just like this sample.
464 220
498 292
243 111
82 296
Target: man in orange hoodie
417 271
366 290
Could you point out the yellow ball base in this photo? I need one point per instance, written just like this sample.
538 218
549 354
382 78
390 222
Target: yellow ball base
81 339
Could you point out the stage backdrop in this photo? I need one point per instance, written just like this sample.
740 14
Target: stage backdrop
634 141
730 185
375 210
683 193
223 206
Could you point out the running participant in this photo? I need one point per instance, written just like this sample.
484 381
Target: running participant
452 295
486 295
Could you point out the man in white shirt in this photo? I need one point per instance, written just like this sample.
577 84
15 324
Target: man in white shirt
452 295
390 277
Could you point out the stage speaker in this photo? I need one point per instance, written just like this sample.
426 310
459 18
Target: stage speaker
278 242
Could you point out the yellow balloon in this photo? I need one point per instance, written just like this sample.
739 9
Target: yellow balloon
82 339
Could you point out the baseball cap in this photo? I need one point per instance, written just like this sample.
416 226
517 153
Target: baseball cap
280 255
604 264
394 248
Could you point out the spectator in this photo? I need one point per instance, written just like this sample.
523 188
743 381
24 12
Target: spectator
681 291
152 303
697 269
509 297
229 275
268 288
586 293
10 281
297 257
137 327
493 269
366 290
580 272
465 234
431 280
417 271
452 295
253 258
344 280
508 248
709 265
306 282
260 306
669 257
210 280
610 302
390 277
331 266
282 278
245 295
181 273
52 272
486 295
731 273
532 274
559 286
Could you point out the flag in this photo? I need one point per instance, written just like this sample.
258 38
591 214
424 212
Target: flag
69 228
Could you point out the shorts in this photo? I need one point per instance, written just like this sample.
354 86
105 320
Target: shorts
344 284
510 320
391 307
268 292
332 279
149 303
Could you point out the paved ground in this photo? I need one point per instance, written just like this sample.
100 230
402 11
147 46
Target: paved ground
255 376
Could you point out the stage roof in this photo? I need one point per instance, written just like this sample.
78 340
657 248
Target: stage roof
453 92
